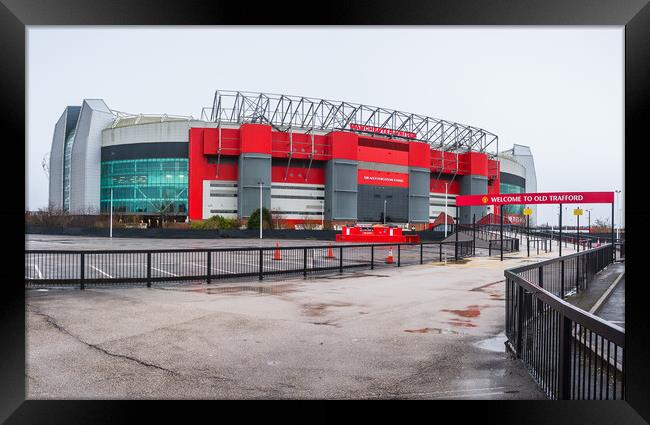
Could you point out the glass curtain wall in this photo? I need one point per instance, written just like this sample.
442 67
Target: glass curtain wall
511 188
145 186
67 157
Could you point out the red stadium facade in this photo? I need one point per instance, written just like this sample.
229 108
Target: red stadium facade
299 159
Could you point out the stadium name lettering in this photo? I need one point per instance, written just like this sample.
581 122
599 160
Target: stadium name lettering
379 130
383 179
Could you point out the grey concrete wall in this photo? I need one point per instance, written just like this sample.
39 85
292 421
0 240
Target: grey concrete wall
253 168
419 195
86 156
56 162
169 131
524 156
472 185
341 190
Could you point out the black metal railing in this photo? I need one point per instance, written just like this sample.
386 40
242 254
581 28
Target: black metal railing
571 353
45 267
487 239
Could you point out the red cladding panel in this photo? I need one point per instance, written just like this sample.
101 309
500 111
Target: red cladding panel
196 164
477 163
344 145
298 175
419 155
438 185
210 141
384 156
255 138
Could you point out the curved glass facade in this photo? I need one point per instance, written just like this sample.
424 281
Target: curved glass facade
145 186
511 188
67 156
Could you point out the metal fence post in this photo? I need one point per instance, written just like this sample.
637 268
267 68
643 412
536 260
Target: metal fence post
261 261
148 269
562 279
520 319
372 257
474 234
304 262
399 255
440 246
83 271
564 367
209 265
340 259
577 272
421 247
540 279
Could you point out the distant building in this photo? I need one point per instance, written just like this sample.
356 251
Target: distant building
518 176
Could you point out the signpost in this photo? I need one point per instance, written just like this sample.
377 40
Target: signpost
527 213
577 212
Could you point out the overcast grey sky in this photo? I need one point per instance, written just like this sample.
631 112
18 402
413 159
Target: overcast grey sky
558 90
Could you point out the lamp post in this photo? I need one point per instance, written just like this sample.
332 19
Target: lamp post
446 209
261 204
578 231
110 232
618 227
588 222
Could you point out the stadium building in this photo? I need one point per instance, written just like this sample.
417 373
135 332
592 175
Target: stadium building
309 160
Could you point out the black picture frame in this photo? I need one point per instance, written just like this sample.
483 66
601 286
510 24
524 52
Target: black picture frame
15 15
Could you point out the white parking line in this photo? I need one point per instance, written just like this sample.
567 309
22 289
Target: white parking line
213 268
105 274
171 274
40 275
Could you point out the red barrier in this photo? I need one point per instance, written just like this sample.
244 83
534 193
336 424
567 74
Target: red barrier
376 234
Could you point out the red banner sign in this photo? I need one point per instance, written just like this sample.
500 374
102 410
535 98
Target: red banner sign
380 130
536 198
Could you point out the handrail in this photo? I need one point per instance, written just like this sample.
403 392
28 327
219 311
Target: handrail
257 248
554 339
612 332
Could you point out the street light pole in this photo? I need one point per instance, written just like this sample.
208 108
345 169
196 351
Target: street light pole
578 232
446 209
261 209
110 234
618 219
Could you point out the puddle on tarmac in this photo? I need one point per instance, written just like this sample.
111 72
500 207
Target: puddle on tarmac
496 343
470 311
461 323
430 330
240 289
318 309
351 275
326 324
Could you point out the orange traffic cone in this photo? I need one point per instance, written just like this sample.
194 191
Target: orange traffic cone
389 259
276 255
330 253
